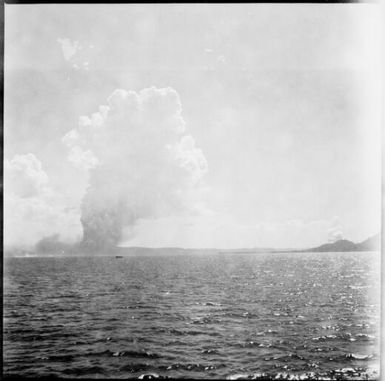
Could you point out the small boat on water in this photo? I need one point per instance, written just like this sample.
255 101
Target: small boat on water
118 256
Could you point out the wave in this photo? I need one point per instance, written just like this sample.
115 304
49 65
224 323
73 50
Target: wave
337 374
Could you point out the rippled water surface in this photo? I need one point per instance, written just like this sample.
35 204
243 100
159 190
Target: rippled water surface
197 316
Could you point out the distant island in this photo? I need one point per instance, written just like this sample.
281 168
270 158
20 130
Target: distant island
370 244
51 246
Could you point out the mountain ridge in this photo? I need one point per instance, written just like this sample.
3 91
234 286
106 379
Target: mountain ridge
372 243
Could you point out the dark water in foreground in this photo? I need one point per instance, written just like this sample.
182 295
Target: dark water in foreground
299 315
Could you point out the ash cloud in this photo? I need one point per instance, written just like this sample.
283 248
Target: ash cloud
140 162
52 244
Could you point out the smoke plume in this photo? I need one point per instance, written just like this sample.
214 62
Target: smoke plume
140 161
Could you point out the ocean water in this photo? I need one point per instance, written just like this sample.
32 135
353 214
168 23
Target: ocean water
298 315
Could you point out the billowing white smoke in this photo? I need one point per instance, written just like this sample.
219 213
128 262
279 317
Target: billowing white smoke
32 209
140 161
25 177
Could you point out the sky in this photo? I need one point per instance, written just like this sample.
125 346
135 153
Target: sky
227 126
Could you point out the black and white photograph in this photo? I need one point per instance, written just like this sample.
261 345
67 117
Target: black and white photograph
192 191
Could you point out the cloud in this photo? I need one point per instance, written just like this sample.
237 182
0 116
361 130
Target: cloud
32 209
68 47
25 177
140 161
75 54
335 232
27 220
82 159
221 59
